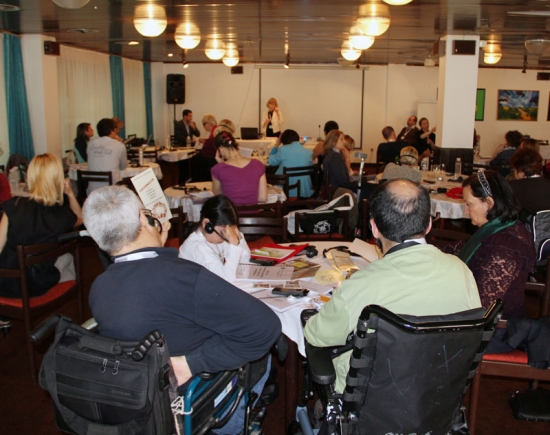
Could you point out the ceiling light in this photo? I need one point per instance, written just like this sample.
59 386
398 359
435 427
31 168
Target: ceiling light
492 54
537 46
397 2
429 62
214 49
133 43
184 63
231 57
359 40
170 54
287 64
150 19
187 36
71 4
348 52
374 19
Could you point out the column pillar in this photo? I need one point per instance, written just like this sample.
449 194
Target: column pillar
457 86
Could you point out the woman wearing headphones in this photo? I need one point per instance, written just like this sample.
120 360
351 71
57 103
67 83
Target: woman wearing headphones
408 158
217 244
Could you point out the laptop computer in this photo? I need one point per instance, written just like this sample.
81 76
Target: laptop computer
248 133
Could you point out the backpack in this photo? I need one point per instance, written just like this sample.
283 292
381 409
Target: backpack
100 385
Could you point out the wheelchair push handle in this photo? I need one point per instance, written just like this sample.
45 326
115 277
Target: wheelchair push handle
44 328
146 344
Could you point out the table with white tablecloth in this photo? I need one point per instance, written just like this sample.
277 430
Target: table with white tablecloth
442 205
176 154
192 201
124 173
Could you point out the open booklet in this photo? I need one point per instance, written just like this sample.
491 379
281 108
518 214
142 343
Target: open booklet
149 191
277 252
255 272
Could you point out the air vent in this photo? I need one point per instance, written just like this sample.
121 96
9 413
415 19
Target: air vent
543 76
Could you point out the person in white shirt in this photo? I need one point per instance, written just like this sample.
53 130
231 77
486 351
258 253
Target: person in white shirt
217 244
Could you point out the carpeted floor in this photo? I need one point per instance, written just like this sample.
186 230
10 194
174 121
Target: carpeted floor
27 409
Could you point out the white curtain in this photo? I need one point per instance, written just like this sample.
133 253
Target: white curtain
134 98
4 137
84 91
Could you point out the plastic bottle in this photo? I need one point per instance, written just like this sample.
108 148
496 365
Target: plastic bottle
458 167
141 157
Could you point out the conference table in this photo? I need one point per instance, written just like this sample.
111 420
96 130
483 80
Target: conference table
193 195
290 318
442 205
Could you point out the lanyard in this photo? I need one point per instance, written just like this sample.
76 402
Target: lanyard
136 256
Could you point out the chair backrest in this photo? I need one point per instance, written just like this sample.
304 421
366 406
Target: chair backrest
283 180
539 226
542 290
436 236
304 171
148 154
408 374
84 177
179 221
272 209
254 227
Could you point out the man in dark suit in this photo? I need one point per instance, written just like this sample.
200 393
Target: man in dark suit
184 131
408 133
389 151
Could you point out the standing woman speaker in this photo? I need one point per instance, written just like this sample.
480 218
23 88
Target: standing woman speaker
273 119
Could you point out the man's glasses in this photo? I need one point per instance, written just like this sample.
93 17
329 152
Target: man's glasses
152 219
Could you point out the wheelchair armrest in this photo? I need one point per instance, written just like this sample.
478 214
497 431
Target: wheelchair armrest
320 364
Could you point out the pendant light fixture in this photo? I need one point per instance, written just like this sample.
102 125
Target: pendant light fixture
231 57
187 35
71 4
214 49
150 19
348 52
359 40
374 18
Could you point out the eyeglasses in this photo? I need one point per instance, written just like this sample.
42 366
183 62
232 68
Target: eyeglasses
152 219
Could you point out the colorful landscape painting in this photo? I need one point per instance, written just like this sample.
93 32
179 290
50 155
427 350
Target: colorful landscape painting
518 105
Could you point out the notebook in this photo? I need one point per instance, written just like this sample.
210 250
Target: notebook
248 133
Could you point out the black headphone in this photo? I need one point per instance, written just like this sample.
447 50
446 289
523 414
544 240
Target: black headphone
209 228
311 251
152 220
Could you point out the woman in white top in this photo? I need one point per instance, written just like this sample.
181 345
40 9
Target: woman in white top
273 119
217 244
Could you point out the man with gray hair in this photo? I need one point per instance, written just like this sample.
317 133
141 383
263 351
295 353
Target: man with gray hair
209 324
411 278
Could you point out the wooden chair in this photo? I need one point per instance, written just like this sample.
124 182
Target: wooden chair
303 171
438 235
29 308
179 221
366 233
272 209
255 227
512 364
283 180
84 177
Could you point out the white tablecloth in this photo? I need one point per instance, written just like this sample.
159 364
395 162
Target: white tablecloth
176 155
192 207
128 172
445 206
290 319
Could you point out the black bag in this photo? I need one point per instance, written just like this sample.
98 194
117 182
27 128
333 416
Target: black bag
531 404
100 385
320 222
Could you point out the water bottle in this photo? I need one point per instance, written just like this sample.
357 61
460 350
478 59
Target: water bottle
141 157
424 164
458 167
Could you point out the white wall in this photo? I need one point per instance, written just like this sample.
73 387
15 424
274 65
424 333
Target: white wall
492 131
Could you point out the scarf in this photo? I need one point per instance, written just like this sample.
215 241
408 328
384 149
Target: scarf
472 245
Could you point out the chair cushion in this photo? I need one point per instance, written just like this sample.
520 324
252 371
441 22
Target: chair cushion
174 242
516 357
52 294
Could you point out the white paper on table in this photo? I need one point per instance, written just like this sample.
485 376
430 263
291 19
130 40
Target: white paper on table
202 194
255 272
364 249
149 191
280 303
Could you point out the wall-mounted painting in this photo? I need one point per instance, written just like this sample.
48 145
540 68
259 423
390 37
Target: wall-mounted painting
518 105
480 104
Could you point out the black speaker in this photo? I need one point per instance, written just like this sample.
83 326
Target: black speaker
467 47
175 89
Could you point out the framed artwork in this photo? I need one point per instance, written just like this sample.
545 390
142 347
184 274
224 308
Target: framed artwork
480 104
518 105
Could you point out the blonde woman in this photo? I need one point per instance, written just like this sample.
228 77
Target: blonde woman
50 210
408 158
239 178
273 119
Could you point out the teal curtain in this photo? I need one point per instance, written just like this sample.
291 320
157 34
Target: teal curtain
148 101
19 123
117 89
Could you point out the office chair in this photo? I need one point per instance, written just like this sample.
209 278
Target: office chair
407 373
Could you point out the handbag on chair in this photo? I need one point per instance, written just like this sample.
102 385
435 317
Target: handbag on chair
100 385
